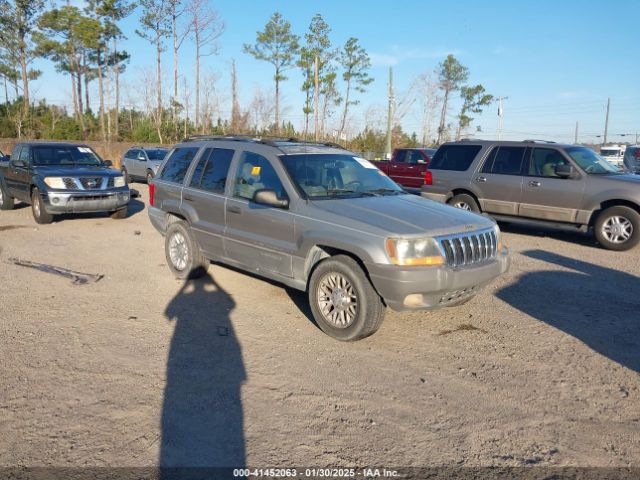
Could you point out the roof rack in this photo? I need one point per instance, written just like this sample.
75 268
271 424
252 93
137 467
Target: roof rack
538 141
273 141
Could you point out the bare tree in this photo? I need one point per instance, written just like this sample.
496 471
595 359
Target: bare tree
210 99
205 26
155 28
429 100
178 35
261 107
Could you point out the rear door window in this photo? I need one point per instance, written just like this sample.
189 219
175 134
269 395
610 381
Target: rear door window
504 161
454 157
178 164
212 170
401 156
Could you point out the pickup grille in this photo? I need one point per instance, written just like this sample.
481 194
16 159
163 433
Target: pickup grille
69 183
91 183
468 249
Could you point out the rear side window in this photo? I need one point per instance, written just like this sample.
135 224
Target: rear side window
454 157
178 163
401 156
504 161
212 170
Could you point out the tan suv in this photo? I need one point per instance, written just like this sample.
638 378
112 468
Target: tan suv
544 183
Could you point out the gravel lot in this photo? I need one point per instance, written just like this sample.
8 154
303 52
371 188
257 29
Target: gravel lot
542 368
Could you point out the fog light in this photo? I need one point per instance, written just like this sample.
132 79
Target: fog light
55 200
413 300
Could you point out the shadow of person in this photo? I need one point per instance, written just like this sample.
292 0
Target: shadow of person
595 304
202 421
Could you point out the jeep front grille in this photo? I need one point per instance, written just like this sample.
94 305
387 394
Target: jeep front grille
69 183
469 248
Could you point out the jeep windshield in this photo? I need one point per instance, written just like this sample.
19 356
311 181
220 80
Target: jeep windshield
50 155
323 176
590 161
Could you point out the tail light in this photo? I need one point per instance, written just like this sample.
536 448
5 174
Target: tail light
428 178
636 154
152 191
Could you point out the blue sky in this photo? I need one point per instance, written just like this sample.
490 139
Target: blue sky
556 61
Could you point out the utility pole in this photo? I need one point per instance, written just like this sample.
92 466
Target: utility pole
500 113
390 114
606 122
575 140
315 100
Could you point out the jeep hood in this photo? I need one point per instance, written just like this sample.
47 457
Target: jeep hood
75 171
400 215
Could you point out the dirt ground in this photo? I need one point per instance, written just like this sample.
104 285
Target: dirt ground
542 368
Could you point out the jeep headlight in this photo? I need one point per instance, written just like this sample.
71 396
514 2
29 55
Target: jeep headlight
414 251
55 182
119 181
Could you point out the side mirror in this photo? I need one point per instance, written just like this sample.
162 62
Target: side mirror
107 163
564 171
269 197
18 163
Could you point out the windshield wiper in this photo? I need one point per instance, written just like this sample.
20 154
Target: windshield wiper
382 191
335 192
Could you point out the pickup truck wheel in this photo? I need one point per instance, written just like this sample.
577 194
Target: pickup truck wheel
6 202
464 202
120 214
343 301
40 215
183 253
618 228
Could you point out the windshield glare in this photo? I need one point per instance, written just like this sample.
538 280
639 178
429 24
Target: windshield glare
332 175
590 161
64 155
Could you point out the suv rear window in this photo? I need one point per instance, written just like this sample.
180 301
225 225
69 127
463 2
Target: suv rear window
212 170
454 157
504 161
178 163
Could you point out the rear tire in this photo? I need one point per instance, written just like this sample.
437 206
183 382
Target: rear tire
465 202
40 215
6 201
183 254
618 228
343 301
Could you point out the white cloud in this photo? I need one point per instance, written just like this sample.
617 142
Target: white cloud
399 54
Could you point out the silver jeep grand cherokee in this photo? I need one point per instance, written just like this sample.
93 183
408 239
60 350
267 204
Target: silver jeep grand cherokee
318 218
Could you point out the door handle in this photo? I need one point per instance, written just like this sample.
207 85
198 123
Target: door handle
481 179
188 198
534 183
234 210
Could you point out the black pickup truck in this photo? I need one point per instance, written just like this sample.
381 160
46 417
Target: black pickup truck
57 178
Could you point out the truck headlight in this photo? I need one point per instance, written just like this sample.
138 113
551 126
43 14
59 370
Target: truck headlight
55 182
414 251
119 181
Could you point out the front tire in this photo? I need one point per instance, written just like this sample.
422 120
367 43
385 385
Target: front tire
618 228
120 214
465 202
183 254
6 201
40 215
343 301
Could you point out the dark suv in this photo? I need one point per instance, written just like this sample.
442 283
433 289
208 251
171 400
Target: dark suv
57 177
545 183
320 219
